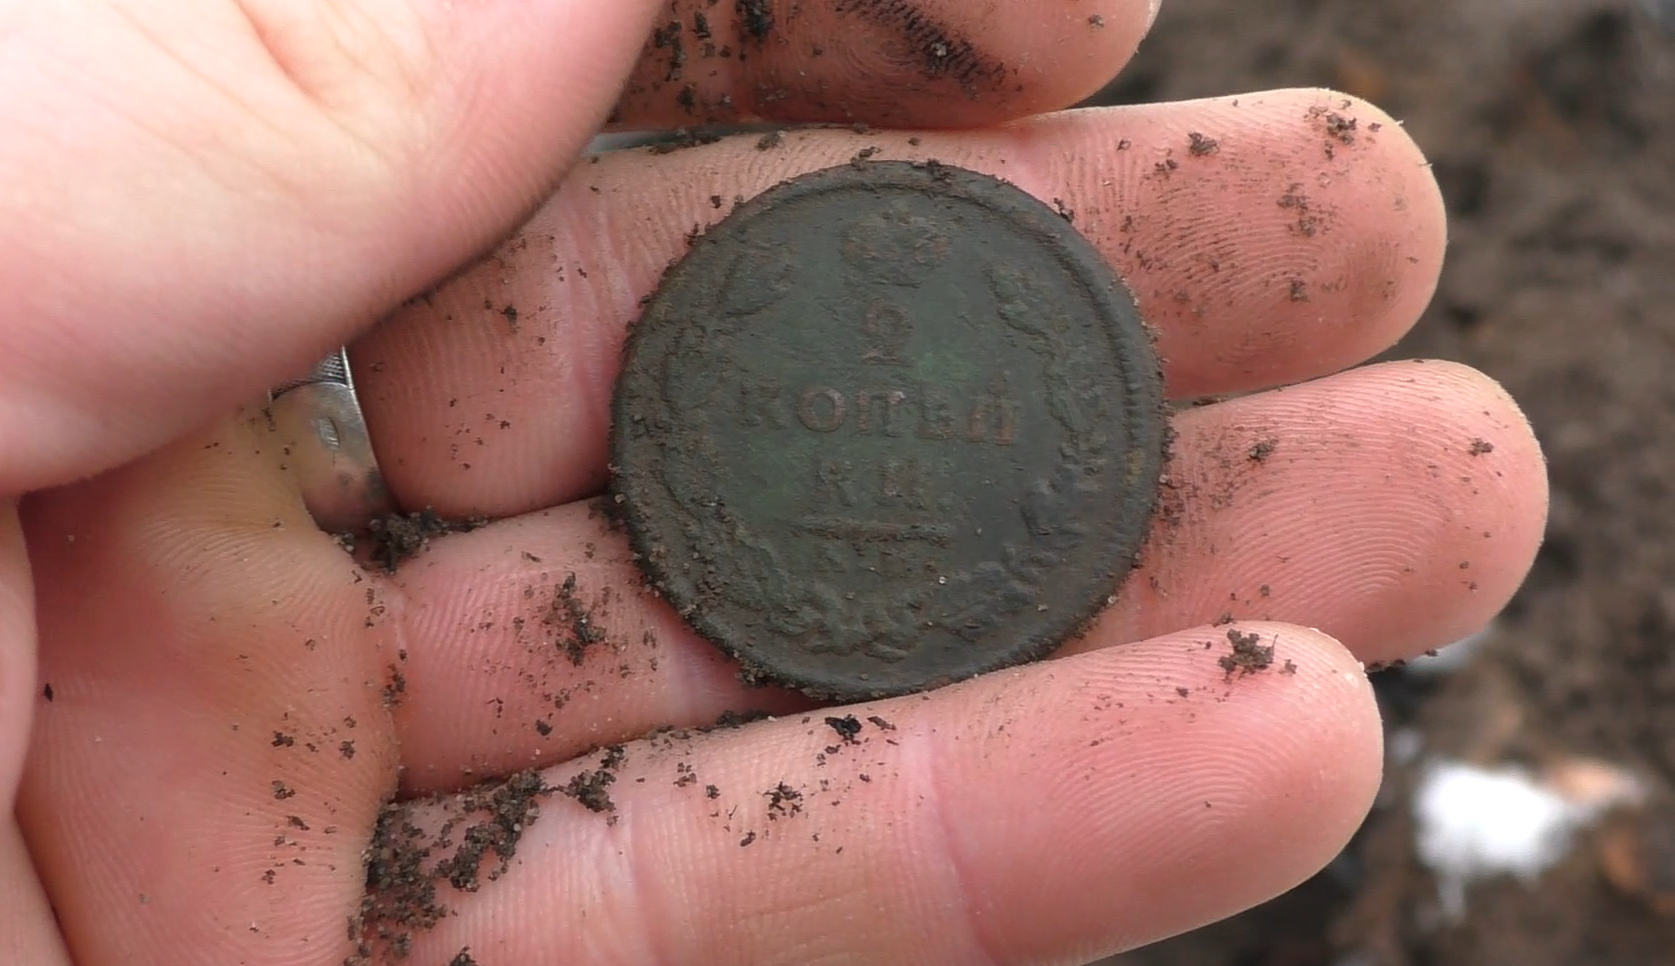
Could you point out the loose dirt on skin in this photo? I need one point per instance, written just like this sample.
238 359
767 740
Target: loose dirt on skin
397 538
407 863
847 727
590 788
756 19
578 630
1249 654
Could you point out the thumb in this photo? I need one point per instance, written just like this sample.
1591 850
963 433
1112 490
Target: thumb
203 199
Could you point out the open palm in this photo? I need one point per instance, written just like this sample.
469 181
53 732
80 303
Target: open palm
226 705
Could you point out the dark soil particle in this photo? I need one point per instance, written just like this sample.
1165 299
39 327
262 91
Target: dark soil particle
510 807
1249 654
405 863
880 723
588 788
395 687
770 140
1199 145
401 892
569 613
463 958
738 719
397 538
1340 127
783 801
847 727
1479 447
756 18
669 37
614 756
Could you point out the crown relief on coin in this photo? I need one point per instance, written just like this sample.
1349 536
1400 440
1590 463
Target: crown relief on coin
885 427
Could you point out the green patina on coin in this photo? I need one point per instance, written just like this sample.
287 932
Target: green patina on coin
888 426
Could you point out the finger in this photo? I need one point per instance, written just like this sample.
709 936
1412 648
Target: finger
1323 503
534 639
1318 505
17 650
1054 813
1284 253
931 63
208 200
208 772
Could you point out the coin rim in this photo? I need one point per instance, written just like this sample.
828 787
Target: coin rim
1116 308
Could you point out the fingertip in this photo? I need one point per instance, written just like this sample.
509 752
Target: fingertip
1476 515
1072 52
1496 466
929 63
1311 211
1175 783
1323 503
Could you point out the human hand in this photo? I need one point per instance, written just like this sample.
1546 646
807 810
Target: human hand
196 791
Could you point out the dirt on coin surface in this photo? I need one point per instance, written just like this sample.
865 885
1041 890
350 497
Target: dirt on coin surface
1551 125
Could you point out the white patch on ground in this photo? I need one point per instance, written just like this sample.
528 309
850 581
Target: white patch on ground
1474 823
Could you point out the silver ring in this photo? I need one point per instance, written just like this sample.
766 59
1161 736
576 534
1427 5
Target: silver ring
319 419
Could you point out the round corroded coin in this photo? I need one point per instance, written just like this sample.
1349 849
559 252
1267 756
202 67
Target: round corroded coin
888 426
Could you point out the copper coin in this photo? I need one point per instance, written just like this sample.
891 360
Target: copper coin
888 426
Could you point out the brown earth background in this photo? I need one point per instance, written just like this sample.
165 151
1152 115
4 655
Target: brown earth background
1551 124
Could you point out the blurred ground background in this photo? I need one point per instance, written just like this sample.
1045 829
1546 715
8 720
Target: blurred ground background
1551 124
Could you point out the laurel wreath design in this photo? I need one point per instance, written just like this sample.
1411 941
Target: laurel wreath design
815 614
